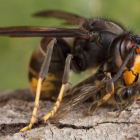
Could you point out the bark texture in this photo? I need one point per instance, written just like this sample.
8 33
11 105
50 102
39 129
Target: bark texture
16 108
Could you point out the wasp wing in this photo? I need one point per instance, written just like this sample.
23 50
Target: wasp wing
71 19
40 31
79 96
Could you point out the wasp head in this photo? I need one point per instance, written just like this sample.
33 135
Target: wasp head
120 49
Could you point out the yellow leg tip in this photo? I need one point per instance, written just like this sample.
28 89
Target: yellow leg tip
45 118
25 129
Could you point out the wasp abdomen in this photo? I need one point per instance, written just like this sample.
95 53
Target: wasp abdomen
52 83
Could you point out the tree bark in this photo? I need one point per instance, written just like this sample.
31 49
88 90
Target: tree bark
16 109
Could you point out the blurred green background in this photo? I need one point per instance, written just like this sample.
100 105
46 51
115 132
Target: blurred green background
15 52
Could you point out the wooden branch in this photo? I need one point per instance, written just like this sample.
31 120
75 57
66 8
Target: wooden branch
16 108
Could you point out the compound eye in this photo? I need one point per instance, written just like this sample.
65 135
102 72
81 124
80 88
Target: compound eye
126 45
127 93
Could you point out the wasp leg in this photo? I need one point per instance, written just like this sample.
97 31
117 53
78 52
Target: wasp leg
122 108
42 76
64 82
128 104
118 101
94 105
109 90
98 101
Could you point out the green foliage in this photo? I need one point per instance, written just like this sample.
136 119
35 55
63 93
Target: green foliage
15 52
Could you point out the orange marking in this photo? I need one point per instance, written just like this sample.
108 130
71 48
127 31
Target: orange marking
47 85
33 82
51 77
128 76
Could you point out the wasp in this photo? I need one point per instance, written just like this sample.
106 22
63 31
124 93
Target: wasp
95 43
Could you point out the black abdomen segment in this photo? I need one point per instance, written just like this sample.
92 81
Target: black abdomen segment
52 84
